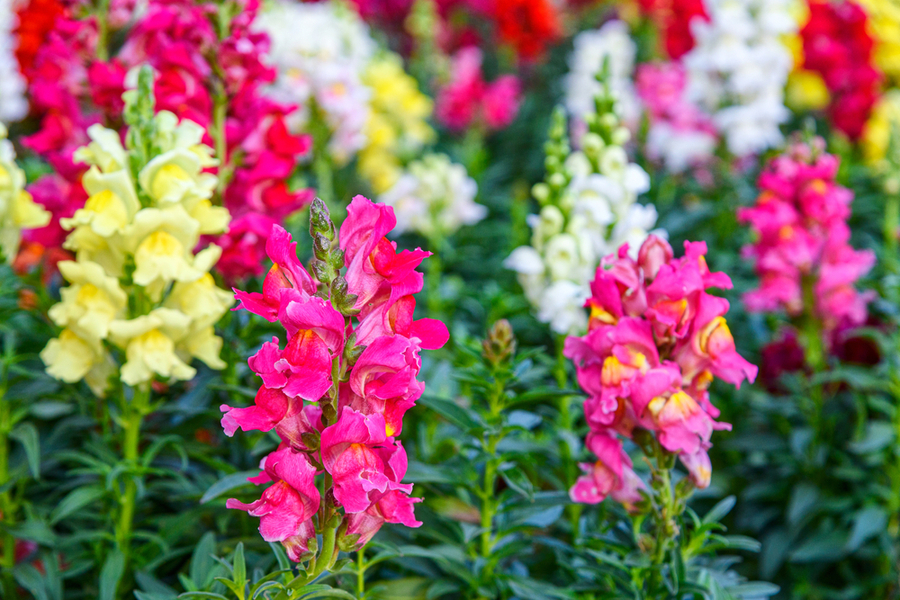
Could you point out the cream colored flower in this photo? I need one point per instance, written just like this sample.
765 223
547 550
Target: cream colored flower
149 343
91 302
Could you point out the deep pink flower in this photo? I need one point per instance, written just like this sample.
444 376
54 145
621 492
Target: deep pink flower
292 499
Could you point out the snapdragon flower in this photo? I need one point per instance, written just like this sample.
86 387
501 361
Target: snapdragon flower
588 209
612 42
655 342
802 252
338 389
434 197
18 210
738 69
136 237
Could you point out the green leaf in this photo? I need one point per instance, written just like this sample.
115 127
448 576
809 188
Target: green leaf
804 498
459 416
27 435
718 512
227 483
878 435
202 561
75 500
32 580
754 589
203 596
111 574
240 566
50 409
516 479
869 522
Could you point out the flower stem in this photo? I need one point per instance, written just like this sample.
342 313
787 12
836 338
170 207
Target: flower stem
565 425
664 510
132 416
102 30
890 229
361 572
217 132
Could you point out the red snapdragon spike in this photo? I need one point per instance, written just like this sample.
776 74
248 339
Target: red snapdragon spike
269 407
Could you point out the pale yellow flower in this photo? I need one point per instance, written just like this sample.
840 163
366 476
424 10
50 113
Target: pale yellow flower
71 358
149 343
17 208
105 150
201 300
91 302
204 345
877 133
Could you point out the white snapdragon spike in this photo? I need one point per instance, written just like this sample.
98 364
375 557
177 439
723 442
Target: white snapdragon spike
738 69
589 209
13 104
591 48
434 197
320 51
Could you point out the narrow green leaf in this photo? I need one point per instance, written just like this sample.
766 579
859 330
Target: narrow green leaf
111 574
202 562
227 483
718 512
77 499
27 435
240 566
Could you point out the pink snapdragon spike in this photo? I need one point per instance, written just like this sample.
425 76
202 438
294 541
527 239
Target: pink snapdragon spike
337 390
802 239
468 100
655 341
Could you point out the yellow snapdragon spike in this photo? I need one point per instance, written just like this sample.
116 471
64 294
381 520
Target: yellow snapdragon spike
398 123
177 176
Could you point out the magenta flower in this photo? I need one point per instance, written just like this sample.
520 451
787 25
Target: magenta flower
802 239
336 393
468 100
656 338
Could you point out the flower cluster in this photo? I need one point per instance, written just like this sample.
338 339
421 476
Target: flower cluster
217 82
136 282
36 19
352 355
610 43
680 134
803 257
673 18
655 342
320 51
13 105
738 69
838 46
398 127
434 197
528 26
468 100
588 209
17 208
211 80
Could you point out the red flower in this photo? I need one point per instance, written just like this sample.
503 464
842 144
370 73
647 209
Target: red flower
837 45
529 26
673 18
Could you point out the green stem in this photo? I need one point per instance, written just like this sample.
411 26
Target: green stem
132 416
327 556
891 226
487 507
102 30
814 349
361 572
664 509
220 112
324 178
